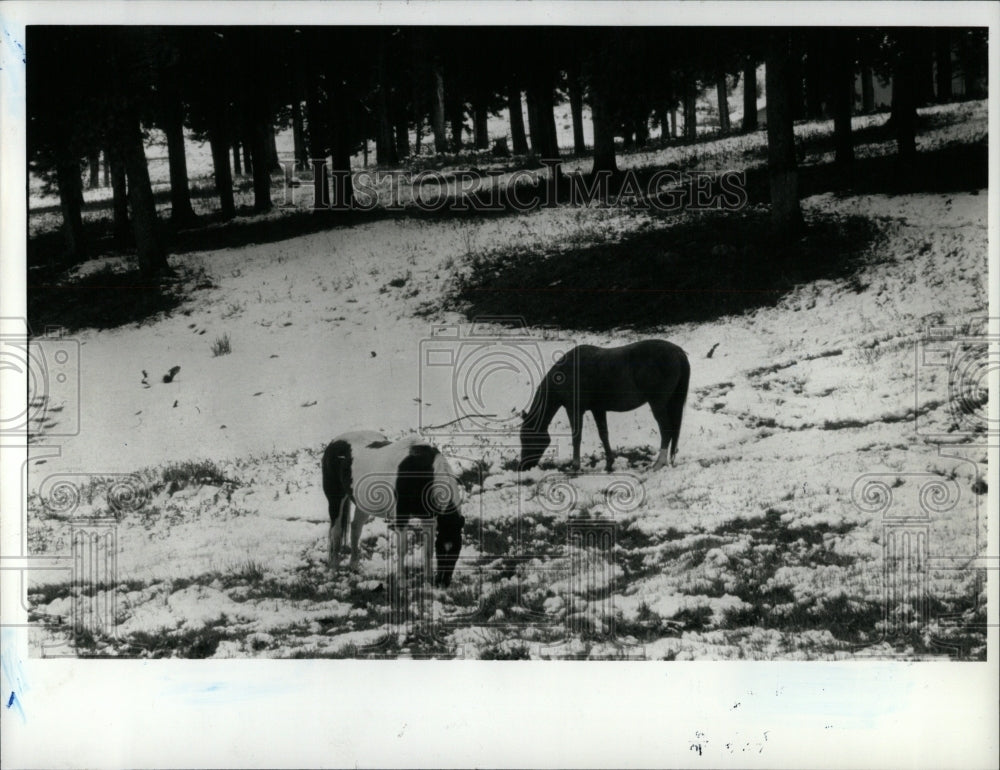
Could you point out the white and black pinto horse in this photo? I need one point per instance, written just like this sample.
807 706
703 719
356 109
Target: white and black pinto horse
602 380
393 480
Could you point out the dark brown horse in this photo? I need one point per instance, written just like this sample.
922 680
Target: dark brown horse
602 380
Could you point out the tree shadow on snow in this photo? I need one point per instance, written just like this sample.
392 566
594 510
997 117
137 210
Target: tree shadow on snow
707 266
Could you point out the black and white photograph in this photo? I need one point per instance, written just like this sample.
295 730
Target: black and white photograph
523 339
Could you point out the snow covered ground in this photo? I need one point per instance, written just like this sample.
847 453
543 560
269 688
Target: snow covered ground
766 540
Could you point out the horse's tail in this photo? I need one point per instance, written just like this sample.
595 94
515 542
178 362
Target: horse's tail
675 406
337 479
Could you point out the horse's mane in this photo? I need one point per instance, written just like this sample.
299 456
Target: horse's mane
534 415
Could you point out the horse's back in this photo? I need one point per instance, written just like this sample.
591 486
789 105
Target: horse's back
657 351
623 378
389 476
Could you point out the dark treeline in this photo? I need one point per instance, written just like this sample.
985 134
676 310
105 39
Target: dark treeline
94 92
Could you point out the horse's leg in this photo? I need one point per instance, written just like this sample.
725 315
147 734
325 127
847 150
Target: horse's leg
429 558
661 413
339 514
360 517
601 418
576 426
401 540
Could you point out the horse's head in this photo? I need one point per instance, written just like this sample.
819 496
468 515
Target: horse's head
535 437
534 442
447 546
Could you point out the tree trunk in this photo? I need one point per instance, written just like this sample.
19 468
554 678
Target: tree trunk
815 76
71 202
547 117
417 110
796 79
218 139
261 133
867 90
145 226
246 135
541 117
720 90
576 108
107 170
749 95
904 94
246 143
385 147
94 161
534 128
298 136
315 125
237 165
640 127
119 194
480 129
786 216
402 135
318 132
603 120
456 116
437 109
341 123
540 95
479 120
673 122
690 103
925 66
172 123
402 131
972 62
274 163
518 138
418 135
841 57
942 58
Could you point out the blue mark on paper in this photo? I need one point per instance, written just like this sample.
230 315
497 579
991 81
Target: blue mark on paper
221 693
13 678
